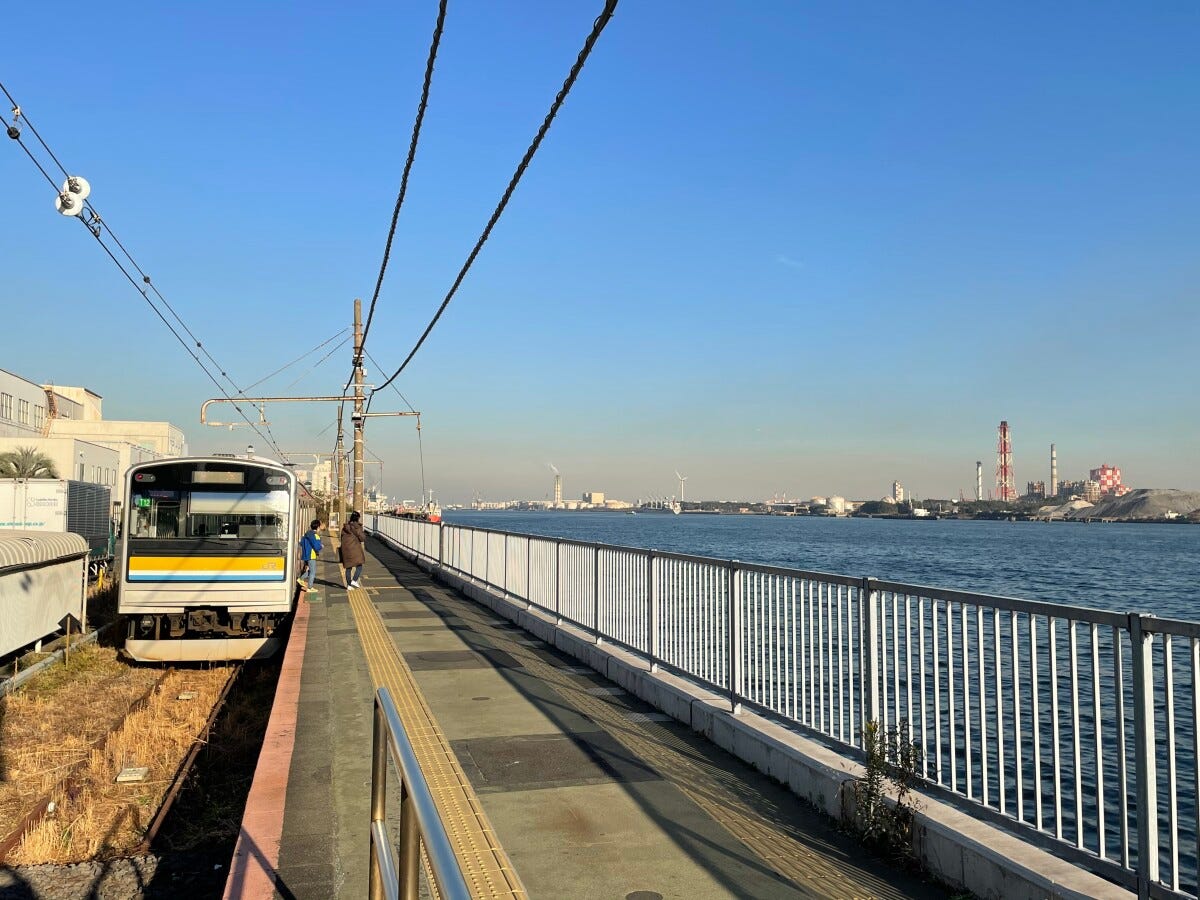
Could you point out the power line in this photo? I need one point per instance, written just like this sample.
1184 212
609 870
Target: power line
408 163
597 27
92 227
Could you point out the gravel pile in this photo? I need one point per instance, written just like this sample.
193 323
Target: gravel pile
1144 503
137 878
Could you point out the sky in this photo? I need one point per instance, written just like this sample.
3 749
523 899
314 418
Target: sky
780 247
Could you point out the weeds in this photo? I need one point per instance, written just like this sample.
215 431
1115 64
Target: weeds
885 798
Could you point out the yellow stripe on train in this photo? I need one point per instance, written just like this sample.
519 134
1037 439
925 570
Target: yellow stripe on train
206 568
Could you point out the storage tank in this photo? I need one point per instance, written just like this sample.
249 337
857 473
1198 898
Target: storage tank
837 504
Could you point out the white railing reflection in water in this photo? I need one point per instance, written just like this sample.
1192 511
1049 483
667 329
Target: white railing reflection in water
1078 723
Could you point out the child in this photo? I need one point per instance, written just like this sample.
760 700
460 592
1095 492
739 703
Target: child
310 552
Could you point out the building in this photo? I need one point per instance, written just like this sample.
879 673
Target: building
837 504
1091 491
1035 489
1109 479
897 492
596 498
67 425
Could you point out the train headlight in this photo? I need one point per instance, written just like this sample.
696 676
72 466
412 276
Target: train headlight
147 623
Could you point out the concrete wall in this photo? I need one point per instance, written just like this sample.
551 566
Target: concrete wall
163 438
961 850
15 390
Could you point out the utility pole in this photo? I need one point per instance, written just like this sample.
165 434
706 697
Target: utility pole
339 476
358 407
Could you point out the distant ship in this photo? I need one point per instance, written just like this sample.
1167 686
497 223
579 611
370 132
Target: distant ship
659 506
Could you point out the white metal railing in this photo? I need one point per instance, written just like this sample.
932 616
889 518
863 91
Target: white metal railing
1080 724
395 870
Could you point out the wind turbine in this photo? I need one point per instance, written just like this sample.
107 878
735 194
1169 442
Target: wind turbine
682 479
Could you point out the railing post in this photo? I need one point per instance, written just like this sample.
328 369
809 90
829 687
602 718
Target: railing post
868 650
378 798
1142 642
504 576
652 600
558 583
409 846
528 572
596 594
737 638
441 558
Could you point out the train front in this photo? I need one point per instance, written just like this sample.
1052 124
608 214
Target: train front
208 560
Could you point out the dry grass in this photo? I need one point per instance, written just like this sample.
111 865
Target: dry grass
48 728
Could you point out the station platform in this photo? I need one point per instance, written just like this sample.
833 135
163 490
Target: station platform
554 782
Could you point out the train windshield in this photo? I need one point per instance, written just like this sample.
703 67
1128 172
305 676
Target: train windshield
240 505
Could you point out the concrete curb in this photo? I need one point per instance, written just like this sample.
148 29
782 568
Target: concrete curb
961 850
256 855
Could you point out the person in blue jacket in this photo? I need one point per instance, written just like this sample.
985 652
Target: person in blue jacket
310 552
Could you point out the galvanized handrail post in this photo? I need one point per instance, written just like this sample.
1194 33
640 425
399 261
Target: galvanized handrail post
596 594
504 575
409 846
868 650
1146 775
441 558
528 572
737 638
558 583
380 866
652 602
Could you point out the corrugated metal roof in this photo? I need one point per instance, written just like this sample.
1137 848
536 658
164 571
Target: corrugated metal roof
26 548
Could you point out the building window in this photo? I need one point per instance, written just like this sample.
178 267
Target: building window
23 412
39 416
6 406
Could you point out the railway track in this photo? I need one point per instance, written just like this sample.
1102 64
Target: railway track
82 774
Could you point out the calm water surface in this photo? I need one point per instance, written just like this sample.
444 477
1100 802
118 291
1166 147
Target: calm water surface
1130 568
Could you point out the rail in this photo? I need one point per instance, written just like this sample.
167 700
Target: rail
395 870
1079 727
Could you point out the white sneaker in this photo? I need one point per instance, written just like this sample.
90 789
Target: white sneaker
354 584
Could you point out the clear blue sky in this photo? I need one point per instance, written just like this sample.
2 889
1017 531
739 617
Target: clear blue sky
781 247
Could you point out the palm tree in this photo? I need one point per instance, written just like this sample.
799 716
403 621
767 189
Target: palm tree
26 462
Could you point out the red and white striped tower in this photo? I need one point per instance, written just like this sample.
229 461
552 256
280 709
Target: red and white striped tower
1005 483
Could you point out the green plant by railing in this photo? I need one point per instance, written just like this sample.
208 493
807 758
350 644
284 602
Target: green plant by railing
885 796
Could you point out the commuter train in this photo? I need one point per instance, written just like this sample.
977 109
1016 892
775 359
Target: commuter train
209 557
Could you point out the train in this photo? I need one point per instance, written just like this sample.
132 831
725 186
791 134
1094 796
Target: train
209 557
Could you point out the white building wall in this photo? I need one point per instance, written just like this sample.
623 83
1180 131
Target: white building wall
72 458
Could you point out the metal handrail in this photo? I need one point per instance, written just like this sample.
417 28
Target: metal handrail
395 870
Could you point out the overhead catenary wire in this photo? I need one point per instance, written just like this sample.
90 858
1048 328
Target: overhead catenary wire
96 220
140 288
420 441
597 27
287 366
338 346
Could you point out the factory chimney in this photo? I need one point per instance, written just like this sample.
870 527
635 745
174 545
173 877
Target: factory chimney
978 479
1053 472
1005 481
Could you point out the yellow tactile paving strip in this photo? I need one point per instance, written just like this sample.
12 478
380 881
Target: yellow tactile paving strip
485 866
738 807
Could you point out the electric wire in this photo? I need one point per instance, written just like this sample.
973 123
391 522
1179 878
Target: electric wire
319 362
408 163
597 27
283 368
96 220
420 442
139 288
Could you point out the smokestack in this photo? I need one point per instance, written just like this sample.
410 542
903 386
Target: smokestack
1053 471
978 479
